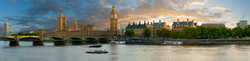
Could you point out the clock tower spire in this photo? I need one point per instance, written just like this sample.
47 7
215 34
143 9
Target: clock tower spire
113 21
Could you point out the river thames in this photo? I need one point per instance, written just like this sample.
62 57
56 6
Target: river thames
27 52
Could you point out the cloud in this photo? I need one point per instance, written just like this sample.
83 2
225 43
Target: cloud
197 2
98 12
30 28
12 3
206 0
203 10
43 7
232 18
32 21
223 9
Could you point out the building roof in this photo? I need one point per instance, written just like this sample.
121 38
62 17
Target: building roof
75 31
113 9
189 23
243 20
159 24
135 26
50 32
214 24
61 30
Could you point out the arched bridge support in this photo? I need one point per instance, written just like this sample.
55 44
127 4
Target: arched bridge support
37 41
58 40
13 40
76 40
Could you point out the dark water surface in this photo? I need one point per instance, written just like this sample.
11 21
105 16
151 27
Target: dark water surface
49 52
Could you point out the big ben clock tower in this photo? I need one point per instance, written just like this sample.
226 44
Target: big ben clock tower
113 22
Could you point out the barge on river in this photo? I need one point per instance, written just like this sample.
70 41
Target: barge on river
139 41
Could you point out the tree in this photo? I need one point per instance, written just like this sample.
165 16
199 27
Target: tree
237 32
247 31
188 32
223 31
175 33
165 33
227 35
199 31
158 33
147 33
130 32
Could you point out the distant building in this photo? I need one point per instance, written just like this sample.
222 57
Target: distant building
180 25
213 24
6 29
157 26
31 31
138 28
242 24
84 30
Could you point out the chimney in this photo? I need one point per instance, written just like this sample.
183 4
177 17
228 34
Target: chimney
144 22
148 22
133 23
139 22
159 21
151 23
177 20
187 19
128 23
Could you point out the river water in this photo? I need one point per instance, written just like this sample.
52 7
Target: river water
49 52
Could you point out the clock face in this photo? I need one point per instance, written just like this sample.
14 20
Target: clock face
115 16
111 16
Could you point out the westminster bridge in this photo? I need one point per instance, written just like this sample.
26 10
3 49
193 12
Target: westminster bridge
58 40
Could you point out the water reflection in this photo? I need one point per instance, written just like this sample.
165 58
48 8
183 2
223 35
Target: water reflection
27 52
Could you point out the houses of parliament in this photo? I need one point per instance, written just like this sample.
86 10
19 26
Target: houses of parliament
84 30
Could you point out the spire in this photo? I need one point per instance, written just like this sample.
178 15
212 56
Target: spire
113 8
75 26
62 15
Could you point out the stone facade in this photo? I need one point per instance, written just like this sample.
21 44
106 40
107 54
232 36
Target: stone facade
180 25
84 30
157 26
138 28
213 24
242 24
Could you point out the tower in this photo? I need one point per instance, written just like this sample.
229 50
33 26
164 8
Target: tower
113 21
6 29
75 26
62 22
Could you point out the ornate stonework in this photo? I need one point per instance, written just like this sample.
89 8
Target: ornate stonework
84 30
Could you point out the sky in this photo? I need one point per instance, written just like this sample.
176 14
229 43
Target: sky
33 15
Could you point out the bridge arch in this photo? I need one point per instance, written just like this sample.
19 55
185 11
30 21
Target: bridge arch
31 38
90 39
102 39
11 38
75 38
56 38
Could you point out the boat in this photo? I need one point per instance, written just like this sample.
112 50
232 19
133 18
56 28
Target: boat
96 45
172 43
97 51
206 43
117 42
